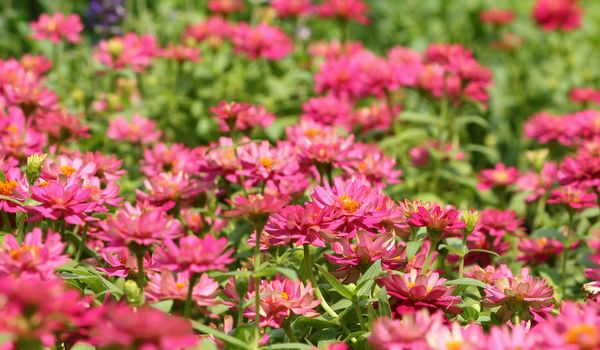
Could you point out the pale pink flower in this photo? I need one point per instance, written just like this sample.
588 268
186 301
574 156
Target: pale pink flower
164 286
139 130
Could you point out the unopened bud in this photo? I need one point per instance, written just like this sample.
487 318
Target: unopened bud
537 158
471 219
34 167
133 293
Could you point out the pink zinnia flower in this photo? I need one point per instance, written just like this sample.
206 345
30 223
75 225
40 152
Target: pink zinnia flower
37 64
225 7
12 186
142 225
128 51
539 250
328 110
57 27
537 185
292 8
369 162
415 290
584 95
499 176
522 294
241 116
573 196
214 31
181 53
120 326
490 274
263 41
280 299
195 255
255 206
376 116
557 14
320 144
120 262
139 130
296 224
509 338
497 17
36 257
576 327
437 220
165 285
173 188
170 158
339 77
349 10
409 332
62 199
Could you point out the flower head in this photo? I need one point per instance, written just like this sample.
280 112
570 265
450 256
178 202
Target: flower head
557 14
349 10
57 27
263 41
195 255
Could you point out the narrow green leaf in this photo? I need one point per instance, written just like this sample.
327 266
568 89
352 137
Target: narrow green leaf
365 282
384 305
335 284
412 248
298 346
466 281
219 335
273 270
163 305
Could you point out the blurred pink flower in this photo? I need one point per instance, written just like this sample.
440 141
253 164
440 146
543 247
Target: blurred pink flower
292 8
164 286
499 176
497 16
225 7
536 251
575 197
576 327
139 130
262 41
194 255
56 27
349 10
557 14
234 116
127 51
407 333
181 53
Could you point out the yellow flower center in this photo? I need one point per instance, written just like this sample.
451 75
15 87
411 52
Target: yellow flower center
584 335
16 253
542 242
67 170
115 47
266 162
362 166
179 285
285 295
311 132
454 345
7 187
500 176
349 204
12 128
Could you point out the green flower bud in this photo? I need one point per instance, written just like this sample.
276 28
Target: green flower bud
470 218
133 293
34 167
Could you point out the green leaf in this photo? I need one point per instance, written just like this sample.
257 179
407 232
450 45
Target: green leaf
82 346
470 314
384 305
164 305
11 200
317 322
421 118
206 344
273 270
466 281
484 251
298 346
335 284
548 232
2 176
219 335
412 248
365 282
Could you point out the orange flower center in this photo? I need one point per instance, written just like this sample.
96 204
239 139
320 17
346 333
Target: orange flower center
285 295
454 345
501 176
311 132
12 128
67 170
542 242
362 166
179 285
16 253
6 188
349 204
266 162
584 335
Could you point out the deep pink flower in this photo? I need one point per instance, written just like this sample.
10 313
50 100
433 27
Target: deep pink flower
497 16
545 127
36 257
177 188
355 257
339 77
499 176
369 162
320 144
220 160
34 311
108 167
181 53
455 336
538 250
436 219
57 27
349 10
537 185
120 326
139 130
195 255
497 222
522 294
280 299
576 327
575 197
263 41
127 51
62 199
143 225
406 64
12 186
557 14
121 262
37 64
225 7
407 333
292 8
328 110
234 116
584 95
415 290
170 158
581 170
214 31
334 49
255 205
165 285
296 224
375 117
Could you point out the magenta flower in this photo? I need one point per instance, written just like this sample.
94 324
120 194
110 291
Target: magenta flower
522 294
263 41
415 290
328 110
376 116
537 185
122 263
36 257
241 116
296 224
214 30
165 285
407 333
225 7
497 16
539 250
349 10
12 186
584 95
194 254
142 225
170 158
368 162
255 205
557 14
516 337
575 197
320 144
37 64
57 27
17 138
34 311
140 130
339 77
292 8
437 220
62 199
354 258
172 188
128 51
576 327
582 170
120 326
499 176
280 299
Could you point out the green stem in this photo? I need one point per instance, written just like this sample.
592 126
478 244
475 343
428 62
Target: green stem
187 309
359 314
289 332
461 266
539 212
81 247
141 275
432 248
311 277
564 255
258 227
5 222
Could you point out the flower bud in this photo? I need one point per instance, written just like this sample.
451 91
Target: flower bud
133 293
34 167
537 158
471 219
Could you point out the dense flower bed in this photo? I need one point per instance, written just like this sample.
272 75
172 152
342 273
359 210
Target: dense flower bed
291 174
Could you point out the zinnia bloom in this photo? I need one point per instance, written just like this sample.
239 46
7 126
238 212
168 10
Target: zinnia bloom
128 51
241 116
500 175
415 290
57 27
262 41
139 130
539 250
165 285
406 333
557 14
195 255
62 199
292 8
576 327
349 10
